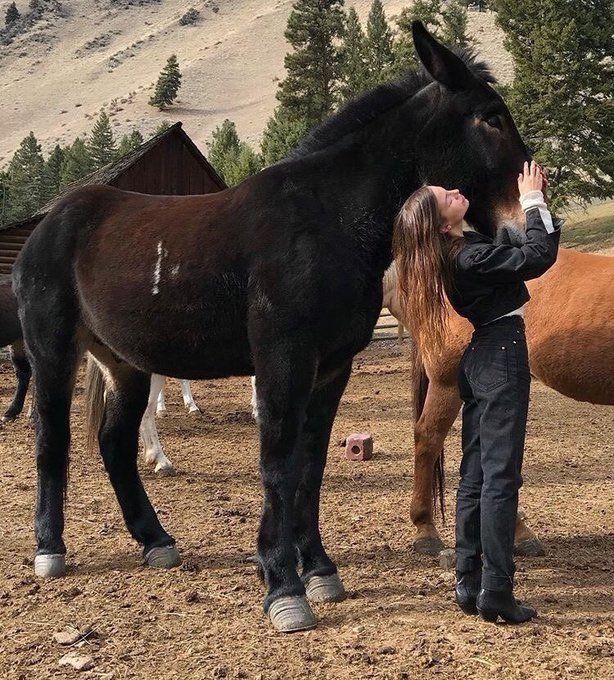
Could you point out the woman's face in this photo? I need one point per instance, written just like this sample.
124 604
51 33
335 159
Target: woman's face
452 206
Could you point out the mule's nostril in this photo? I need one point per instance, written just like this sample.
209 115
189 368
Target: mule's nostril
355 450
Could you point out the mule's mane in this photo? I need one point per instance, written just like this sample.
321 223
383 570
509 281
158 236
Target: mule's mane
360 111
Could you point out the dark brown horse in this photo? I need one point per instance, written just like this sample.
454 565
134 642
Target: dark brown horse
10 334
283 278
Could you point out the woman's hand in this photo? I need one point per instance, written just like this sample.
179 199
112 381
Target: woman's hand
532 178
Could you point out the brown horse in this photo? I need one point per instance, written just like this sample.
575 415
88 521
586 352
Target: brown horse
10 334
570 334
278 277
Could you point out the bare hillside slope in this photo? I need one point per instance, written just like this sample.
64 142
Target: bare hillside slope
55 78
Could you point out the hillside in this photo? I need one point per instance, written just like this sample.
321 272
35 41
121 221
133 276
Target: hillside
55 78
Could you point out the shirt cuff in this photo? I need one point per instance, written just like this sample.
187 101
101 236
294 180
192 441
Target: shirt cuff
535 199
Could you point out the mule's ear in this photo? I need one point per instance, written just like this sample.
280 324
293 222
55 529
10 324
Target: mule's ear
445 67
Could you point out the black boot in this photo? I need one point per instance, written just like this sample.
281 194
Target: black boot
467 589
493 603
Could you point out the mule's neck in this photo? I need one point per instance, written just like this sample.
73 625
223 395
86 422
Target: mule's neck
365 181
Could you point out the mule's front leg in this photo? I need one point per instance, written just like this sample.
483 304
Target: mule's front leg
284 386
319 573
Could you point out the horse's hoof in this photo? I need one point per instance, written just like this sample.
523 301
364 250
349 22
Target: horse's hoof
7 418
162 413
194 411
50 566
165 470
291 614
532 547
325 589
430 545
164 557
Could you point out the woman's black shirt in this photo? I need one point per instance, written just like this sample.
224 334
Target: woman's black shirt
488 279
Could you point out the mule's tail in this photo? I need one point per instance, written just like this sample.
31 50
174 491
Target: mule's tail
420 387
94 403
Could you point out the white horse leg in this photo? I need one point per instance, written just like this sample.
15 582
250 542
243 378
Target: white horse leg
154 455
160 405
188 399
254 399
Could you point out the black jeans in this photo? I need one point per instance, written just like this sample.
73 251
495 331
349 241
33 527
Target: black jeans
494 386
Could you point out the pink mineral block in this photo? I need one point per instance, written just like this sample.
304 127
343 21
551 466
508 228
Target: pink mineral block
359 446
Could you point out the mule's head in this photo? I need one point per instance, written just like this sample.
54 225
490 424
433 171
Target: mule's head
469 141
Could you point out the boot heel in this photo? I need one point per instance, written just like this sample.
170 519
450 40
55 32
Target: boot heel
488 615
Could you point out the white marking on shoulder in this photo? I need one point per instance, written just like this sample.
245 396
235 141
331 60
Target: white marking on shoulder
158 270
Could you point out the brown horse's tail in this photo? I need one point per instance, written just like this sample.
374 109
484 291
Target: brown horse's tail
421 386
94 403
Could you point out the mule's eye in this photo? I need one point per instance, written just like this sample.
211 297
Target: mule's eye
494 121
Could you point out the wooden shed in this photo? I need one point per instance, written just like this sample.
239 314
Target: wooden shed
169 163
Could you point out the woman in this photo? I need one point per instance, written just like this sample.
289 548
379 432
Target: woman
484 282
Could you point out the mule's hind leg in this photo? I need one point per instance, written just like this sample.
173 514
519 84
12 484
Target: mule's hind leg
440 410
126 399
23 373
54 381
319 573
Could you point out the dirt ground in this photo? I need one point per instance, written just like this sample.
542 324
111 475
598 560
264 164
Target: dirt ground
205 619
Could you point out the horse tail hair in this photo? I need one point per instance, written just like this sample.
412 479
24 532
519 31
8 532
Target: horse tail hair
94 402
420 389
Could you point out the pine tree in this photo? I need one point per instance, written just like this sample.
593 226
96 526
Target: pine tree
5 208
561 96
26 179
281 135
129 142
12 14
379 45
101 144
454 25
244 164
77 162
426 11
354 67
53 173
169 82
309 91
162 127
233 159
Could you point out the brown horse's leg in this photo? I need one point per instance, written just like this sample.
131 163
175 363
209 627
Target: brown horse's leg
440 410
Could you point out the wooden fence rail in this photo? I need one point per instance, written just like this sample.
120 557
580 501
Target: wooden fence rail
388 328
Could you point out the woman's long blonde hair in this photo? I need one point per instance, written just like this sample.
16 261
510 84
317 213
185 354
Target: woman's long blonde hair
424 258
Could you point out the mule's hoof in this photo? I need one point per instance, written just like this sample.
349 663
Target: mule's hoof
532 547
50 566
164 557
291 614
6 418
165 470
325 589
162 413
430 545
194 411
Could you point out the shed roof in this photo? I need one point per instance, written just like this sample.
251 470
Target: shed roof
113 171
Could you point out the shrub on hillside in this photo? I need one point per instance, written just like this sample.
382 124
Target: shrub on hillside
192 16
